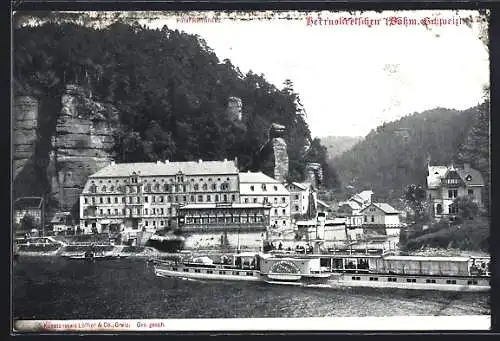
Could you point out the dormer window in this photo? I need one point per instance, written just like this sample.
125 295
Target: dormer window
468 177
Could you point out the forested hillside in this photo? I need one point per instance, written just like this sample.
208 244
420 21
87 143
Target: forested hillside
395 154
170 90
336 145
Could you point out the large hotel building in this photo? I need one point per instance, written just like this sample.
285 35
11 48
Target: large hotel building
148 195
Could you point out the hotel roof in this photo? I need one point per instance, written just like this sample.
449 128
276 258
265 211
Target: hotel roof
167 168
386 208
256 177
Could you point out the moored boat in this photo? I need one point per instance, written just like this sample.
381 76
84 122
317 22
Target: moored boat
403 272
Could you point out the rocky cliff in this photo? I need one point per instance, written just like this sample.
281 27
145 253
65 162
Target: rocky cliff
272 158
25 124
80 143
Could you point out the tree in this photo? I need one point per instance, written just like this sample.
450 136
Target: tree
28 222
414 197
467 209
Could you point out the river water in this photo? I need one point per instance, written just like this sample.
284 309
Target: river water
56 288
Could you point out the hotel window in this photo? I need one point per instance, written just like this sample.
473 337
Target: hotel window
276 211
160 198
284 222
169 198
283 199
373 219
216 198
176 198
154 222
86 200
233 197
196 186
123 211
154 211
184 188
145 211
470 192
264 188
296 197
157 187
100 200
116 211
138 200
366 219
255 200
108 200
138 211
205 187
116 200
296 207
275 188
192 197
266 200
123 200
209 198
111 189
200 198
93 200
153 198
275 200
145 199
184 198
162 211
100 211
214 187
104 188
169 211
284 211
252 188
162 223
246 200
225 197
452 193
165 187
93 189
224 186
146 223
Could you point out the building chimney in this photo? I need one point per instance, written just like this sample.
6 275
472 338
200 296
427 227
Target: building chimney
112 162
158 162
200 160
167 161
225 160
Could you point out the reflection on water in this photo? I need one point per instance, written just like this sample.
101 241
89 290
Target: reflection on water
55 288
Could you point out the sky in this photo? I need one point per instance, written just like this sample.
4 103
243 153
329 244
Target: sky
352 78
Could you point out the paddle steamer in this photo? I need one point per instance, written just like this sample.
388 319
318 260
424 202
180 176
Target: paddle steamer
381 271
